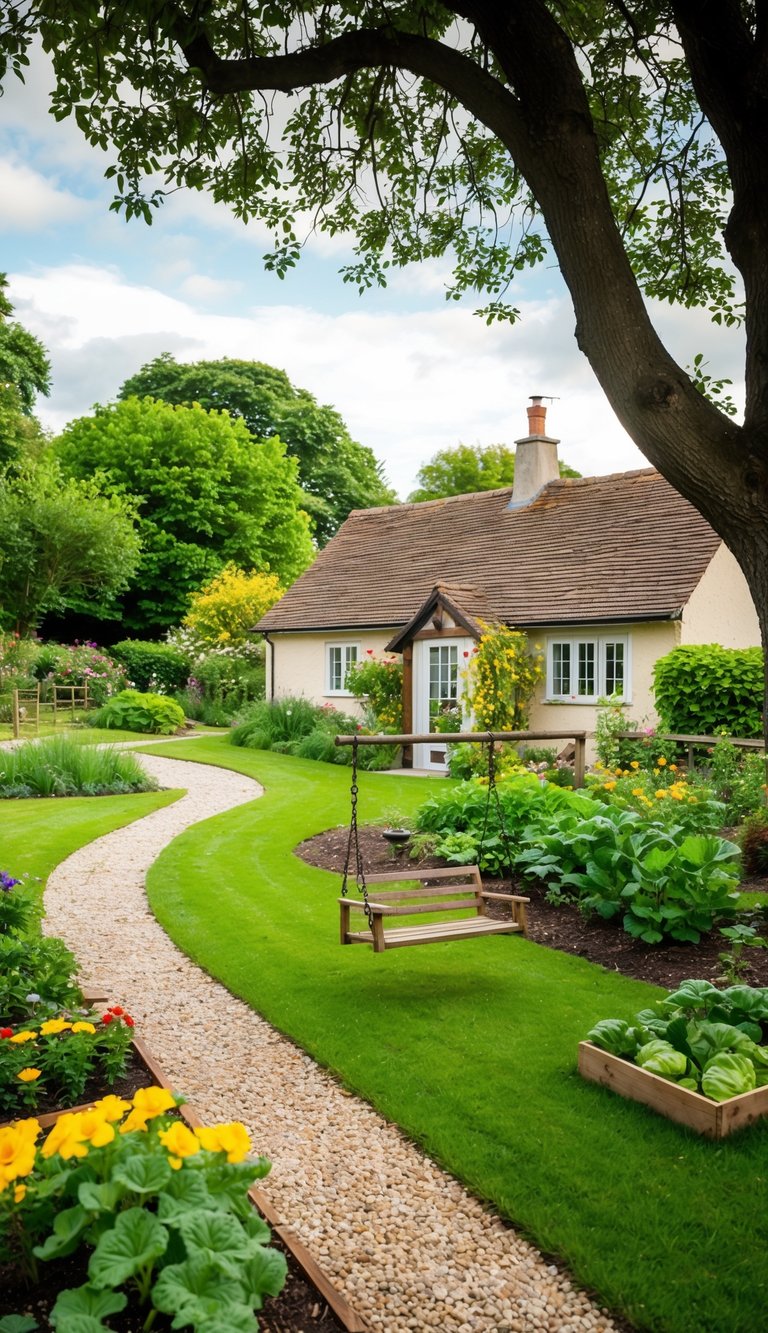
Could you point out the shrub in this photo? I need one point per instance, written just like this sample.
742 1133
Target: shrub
132 711
738 778
379 682
61 766
501 677
753 841
224 611
152 666
471 760
276 721
702 689
666 794
36 976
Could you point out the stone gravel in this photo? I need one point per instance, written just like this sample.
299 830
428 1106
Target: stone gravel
408 1246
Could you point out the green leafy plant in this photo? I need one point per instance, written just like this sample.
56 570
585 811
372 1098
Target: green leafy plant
663 794
132 711
703 1039
36 976
161 1214
61 766
739 779
702 689
379 682
158 667
79 664
17 906
741 936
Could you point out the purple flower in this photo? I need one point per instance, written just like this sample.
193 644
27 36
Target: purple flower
7 882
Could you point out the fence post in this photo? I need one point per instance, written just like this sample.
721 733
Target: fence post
579 760
15 715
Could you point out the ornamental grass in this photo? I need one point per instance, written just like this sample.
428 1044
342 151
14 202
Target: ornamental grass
61 766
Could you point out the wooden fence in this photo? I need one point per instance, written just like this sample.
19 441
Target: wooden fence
579 739
691 741
27 705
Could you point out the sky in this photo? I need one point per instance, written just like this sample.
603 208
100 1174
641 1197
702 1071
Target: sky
409 372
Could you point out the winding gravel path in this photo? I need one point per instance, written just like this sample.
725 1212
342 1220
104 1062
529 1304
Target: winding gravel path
410 1248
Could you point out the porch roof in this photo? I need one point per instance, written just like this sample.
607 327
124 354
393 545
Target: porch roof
585 550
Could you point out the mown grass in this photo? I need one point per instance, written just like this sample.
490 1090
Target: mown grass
471 1048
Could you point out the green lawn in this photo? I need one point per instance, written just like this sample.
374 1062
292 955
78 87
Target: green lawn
471 1048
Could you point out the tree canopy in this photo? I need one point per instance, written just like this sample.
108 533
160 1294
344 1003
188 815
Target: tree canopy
24 373
63 546
467 468
204 497
335 472
626 138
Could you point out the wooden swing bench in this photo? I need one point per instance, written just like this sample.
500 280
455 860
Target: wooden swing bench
429 895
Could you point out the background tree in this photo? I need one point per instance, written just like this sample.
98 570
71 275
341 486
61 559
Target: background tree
467 468
335 472
204 497
629 138
62 546
24 372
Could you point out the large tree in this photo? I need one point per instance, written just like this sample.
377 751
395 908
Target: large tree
629 137
469 467
204 497
63 546
24 373
336 473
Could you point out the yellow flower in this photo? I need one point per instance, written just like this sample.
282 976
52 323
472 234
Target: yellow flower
635 764
18 1193
661 762
638 791
609 786
232 1138
29 1075
54 1025
673 768
148 1103
95 1129
111 1107
180 1142
17 1150
66 1137
617 772
83 1027
21 1037
661 793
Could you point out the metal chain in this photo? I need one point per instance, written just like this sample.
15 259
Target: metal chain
493 793
353 842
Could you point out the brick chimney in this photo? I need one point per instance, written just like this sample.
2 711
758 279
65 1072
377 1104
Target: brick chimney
535 456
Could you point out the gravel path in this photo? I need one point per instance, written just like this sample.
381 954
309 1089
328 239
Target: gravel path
404 1241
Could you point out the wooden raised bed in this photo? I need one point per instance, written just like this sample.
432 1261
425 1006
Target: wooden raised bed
716 1120
348 1319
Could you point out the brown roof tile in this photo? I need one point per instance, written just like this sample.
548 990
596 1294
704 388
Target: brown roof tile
619 547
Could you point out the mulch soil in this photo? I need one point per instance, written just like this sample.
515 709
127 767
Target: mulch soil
564 927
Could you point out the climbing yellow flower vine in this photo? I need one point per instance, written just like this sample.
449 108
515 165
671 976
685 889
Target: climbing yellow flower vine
501 677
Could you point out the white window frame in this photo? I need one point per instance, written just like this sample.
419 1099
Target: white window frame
600 643
350 656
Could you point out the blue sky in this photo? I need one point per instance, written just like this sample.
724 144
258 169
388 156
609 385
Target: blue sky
409 372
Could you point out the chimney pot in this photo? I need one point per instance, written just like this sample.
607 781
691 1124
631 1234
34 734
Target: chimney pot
537 416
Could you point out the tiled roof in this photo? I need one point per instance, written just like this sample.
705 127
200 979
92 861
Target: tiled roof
585 550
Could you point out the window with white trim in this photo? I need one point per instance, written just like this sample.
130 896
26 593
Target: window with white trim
583 670
339 657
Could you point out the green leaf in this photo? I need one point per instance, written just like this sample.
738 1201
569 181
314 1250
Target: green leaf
234 1319
614 1035
68 1227
85 1301
199 1283
17 1323
143 1175
727 1076
212 1233
186 1191
660 1057
263 1274
100 1198
136 1239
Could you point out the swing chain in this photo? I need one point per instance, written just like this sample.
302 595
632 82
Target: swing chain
493 793
353 843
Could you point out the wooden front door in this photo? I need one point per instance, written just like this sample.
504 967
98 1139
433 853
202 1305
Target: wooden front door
438 685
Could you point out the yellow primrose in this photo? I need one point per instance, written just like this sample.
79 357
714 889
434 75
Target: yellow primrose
66 1137
111 1107
21 1037
148 1103
17 1150
661 762
661 793
673 768
54 1025
638 791
232 1138
180 1142
635 764
95 1129
18 1193
83 1027
29 1075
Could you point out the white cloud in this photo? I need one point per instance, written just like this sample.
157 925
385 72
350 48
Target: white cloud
32 202
197 287
406 384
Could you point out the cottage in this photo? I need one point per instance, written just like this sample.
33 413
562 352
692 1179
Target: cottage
605 574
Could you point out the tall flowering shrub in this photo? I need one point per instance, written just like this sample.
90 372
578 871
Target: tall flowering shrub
378 683
223 612
501 677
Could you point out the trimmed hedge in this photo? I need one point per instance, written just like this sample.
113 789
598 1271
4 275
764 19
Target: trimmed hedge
152 666
702 689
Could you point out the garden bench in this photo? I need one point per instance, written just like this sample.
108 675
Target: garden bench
427 896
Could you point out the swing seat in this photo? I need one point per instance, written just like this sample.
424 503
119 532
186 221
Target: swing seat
429 895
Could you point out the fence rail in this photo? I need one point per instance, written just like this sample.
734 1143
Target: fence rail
579 739
691 741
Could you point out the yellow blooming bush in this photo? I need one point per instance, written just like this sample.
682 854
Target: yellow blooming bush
224 611
501 676
663 794
160 1211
